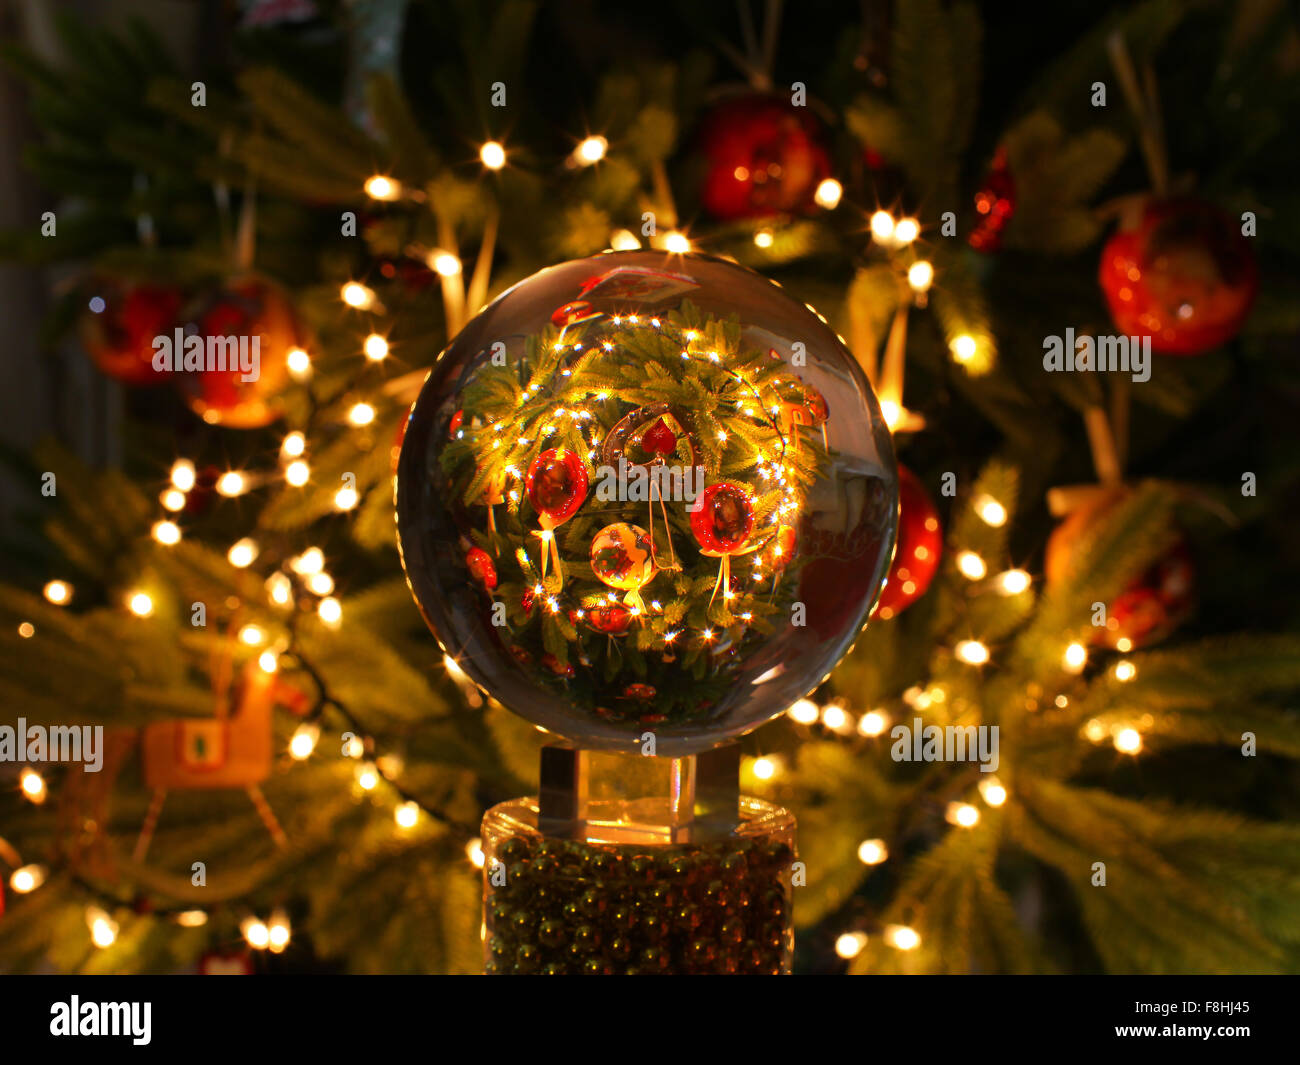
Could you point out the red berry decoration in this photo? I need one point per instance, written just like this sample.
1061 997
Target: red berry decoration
916 556
1152 605
995 203
481 567
764 157
120 324
247 308
1183 275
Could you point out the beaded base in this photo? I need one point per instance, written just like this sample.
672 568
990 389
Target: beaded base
558 906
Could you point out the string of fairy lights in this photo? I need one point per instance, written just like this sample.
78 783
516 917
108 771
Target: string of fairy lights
835 718
302 584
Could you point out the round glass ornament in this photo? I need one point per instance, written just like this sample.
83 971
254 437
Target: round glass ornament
627 385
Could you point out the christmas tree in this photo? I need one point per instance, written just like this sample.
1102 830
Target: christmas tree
1064 257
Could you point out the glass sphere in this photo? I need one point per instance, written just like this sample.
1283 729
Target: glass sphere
683 487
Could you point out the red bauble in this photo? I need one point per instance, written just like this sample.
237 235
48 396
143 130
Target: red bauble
724 519
612 619
556 484
764 157
920 545
1183 275
659 440
1152 605
119 326
244 307
481 567
995 203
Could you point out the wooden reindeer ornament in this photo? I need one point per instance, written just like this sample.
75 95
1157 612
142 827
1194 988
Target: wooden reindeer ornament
228 750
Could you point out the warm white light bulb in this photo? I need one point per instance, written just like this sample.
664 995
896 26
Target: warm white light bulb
991 512
872 723
28 878
376 348
357 296
380 187
1128 741
1075 658
972 652
872 851
828 194
920 275
591 150
963 348
993 792
882 227
166 532
297 473
58 592
304 740
299 363
1013 582
972 567
140 604
445 263
804 711
493 155
361 414
850 944
907 230
183 474
901 937
330 611
231 484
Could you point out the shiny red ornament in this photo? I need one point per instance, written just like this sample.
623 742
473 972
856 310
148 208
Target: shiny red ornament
612 619
764 157
120 324
724 519
244 308
481 567
1152 605
920 545
556 484
640 692
995 203
1182 275
659 440
457 420
1155 604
